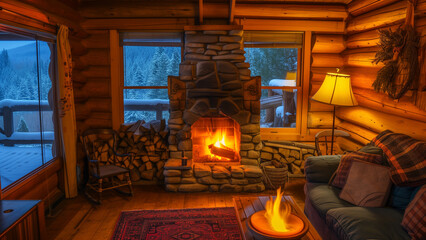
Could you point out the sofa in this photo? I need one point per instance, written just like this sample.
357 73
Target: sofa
335 218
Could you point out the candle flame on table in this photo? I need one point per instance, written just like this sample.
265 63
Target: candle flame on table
278 213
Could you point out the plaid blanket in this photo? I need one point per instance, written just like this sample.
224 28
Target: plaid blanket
406 156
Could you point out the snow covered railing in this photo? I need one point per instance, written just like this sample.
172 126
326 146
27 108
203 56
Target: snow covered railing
156 105
7 108
27 138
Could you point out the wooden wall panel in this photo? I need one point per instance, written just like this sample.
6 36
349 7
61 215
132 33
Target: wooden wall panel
376 111
93 93
378 121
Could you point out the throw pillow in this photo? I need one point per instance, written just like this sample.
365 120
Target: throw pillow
406 156
400 197
368 185
414 220
346 162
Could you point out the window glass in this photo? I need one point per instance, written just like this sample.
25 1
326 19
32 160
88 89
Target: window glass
26 133
148 60
278 68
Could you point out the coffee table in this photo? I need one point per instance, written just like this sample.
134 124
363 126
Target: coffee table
246 206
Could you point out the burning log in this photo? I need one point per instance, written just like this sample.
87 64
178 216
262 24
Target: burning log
222 151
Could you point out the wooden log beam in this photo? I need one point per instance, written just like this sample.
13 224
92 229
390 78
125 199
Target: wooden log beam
96 39
377 121
389 15
293 25
141 23
315 106
381 102
85 109
358 7
362 77
327 60
12 19
321 120
348 145
231 11
179 9
290 11
362 57
50 10
357 132
329 43
201 11
96 57
366 39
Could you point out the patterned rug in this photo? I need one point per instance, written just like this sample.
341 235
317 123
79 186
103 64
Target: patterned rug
179 224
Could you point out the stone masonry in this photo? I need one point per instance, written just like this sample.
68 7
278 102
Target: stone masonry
214 81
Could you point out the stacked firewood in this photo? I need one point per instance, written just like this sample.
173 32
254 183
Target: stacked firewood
148 144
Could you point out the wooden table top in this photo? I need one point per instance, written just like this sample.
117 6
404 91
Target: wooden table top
246 206
13 210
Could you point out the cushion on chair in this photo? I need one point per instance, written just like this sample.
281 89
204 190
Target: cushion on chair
406 156
361 223
324 197
110 170
414 220
346 162
321 168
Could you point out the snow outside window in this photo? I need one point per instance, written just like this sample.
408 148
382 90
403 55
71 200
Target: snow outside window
275 56
148 58
26 125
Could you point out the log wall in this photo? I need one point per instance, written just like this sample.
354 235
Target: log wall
376 111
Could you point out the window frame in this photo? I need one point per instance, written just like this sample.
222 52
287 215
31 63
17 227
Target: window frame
116 47
18 187
273 133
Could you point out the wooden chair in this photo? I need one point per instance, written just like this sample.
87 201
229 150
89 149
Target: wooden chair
326 134
104 172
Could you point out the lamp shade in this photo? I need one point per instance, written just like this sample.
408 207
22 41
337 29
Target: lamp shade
336 90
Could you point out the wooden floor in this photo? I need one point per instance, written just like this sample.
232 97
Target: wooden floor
79 219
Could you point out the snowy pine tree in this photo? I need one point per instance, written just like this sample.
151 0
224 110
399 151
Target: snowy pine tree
22 126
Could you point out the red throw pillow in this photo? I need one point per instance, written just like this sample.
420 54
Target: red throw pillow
414 220
368 185
346 162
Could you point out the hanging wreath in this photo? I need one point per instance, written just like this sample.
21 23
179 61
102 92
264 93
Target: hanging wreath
399 53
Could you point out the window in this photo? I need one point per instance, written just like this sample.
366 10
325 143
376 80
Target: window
148 58
26 125
276 57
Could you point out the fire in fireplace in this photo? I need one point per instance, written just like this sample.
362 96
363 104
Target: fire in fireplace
216 139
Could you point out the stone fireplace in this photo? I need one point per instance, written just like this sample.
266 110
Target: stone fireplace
214 116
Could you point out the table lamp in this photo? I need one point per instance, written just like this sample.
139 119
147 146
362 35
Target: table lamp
337 91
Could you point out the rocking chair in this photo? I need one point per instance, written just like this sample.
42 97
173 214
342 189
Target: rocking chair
104 172
323 135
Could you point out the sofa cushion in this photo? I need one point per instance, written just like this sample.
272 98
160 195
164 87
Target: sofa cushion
321 168
324 197
360 223
346 163
367 185
401 196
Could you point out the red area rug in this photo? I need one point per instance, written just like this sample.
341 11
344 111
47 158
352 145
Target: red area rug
179 224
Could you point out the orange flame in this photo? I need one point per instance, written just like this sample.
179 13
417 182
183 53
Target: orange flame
217 137
278 214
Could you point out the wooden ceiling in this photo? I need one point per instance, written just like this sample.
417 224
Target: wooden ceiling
220 1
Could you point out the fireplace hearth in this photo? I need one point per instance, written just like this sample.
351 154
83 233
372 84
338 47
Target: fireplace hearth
214 116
